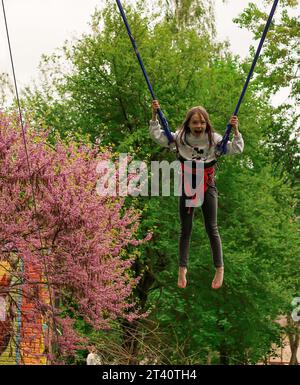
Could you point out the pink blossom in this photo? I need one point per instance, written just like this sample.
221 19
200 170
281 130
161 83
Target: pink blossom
69 250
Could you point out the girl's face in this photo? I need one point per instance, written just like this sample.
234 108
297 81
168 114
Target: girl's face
197 124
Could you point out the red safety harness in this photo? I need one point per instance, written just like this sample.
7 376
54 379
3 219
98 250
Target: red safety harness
206 177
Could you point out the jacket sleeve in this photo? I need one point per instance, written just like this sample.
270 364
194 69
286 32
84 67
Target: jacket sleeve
159 136
236 146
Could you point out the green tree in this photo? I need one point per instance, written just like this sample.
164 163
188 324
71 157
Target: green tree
197 14
102 96
6 89
278 70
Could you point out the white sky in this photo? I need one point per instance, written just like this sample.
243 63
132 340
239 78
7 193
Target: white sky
40 26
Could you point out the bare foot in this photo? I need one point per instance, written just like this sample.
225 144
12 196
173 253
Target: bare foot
182 277
218 279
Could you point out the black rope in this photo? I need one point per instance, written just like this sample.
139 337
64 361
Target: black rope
19 106
28 164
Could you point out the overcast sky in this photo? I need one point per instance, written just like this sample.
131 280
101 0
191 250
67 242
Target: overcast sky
40 26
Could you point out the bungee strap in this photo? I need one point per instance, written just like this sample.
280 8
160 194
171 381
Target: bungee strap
162 118
222 146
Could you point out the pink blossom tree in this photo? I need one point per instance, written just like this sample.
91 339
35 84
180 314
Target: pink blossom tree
68 246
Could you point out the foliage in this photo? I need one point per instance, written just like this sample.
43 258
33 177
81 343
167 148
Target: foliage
94 90
65 239
278 70
5 88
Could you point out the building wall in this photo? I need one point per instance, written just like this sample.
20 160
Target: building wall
21 340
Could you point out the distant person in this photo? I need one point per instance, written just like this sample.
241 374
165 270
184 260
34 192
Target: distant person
93 358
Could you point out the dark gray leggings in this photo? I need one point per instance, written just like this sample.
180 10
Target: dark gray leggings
209 210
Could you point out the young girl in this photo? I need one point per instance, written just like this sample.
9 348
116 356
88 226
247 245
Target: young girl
196 140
